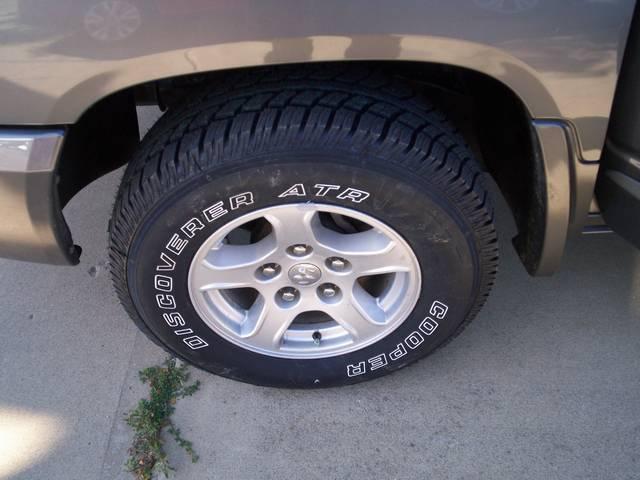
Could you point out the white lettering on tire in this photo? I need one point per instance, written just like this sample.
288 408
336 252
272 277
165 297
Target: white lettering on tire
173 319
166 302
163 283
237 201
428 326
214 212
324 189
195 342
176 244
355 370
438 310
398 352
353 194
191 227
411 341
296 190
414 340
168 264
377 362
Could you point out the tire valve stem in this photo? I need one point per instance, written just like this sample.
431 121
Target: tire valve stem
317 336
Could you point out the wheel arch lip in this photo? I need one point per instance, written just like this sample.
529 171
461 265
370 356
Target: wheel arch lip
522 79
535 87
33 227
36 230
562 183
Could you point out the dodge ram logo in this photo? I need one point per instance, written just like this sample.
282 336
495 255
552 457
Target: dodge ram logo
304 274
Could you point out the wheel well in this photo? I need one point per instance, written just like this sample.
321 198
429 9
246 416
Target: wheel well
491 117
102 140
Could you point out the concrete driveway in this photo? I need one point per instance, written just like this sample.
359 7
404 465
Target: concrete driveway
544 384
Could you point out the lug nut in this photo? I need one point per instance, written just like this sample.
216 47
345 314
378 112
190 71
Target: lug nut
299 250
268 271
338 264
328 290
288 294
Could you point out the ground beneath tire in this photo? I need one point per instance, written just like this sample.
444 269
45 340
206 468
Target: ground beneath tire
543 384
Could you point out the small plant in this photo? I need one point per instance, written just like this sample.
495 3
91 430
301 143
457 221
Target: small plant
167 384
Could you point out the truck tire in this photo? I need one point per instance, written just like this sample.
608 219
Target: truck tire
305 227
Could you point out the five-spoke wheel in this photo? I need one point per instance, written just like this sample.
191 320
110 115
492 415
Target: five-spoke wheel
304 280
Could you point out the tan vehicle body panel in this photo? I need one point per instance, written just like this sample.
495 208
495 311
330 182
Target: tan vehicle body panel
58 58
560 57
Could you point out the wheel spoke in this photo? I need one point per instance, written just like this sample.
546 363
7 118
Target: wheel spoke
207 277
371 252
232 266
393 259
359 314
266 324
294 224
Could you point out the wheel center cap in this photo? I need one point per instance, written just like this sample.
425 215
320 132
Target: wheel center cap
304 274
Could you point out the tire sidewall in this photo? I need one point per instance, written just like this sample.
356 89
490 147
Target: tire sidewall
162 250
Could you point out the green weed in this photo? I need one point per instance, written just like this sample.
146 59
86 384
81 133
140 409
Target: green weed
167 383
